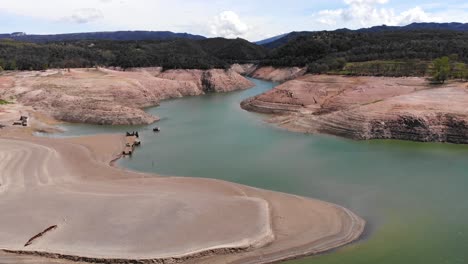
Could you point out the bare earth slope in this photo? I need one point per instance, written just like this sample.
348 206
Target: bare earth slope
59 198
369 108
277 74
269 73
103 96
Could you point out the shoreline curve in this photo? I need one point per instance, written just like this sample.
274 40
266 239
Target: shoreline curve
279 235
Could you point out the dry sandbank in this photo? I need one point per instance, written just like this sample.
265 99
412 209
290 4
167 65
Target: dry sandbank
108 214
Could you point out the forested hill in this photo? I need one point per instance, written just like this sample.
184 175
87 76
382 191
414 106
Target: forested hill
278 41
323 51
272 39
391 52
117 35
170 54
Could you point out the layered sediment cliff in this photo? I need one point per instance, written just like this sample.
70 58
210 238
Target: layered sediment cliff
369 108
104 96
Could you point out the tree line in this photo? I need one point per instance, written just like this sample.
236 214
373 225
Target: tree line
332 51
390 68
386 53
170 54
448 67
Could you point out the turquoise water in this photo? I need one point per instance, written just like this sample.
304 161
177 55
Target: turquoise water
412 195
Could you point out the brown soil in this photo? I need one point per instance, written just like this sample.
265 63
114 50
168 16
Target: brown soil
277 74
369 108
104 96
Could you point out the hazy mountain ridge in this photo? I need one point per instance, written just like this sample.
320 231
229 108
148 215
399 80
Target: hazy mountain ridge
277 41
115 35
268 40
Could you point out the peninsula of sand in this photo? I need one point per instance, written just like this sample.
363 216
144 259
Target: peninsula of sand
62 200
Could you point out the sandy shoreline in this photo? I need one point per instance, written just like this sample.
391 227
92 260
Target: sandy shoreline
112 215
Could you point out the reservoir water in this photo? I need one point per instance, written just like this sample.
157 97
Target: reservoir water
413 196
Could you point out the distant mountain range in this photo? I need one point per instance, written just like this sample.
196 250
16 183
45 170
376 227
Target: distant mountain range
269 40
320 51
420 26
272 42
117 35
277 41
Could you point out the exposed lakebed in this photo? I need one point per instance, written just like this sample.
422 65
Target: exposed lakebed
413 195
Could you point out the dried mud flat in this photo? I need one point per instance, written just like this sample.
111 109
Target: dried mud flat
369 108
61 201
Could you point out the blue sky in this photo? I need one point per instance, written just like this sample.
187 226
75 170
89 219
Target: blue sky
248 19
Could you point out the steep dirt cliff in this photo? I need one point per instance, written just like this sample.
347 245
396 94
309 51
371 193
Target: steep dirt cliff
369 108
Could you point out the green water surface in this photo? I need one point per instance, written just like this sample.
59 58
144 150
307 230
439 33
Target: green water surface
412 195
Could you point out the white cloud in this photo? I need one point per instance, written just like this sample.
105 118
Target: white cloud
84 15
228 24
366 13
329 17
204 17
416 14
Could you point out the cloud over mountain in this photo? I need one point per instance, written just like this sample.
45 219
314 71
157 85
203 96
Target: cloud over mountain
85 15
229 25
248 19
364 13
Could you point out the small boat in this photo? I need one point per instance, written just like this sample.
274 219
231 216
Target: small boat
156 129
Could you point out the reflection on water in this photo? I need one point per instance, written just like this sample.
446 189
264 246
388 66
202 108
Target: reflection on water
412 194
